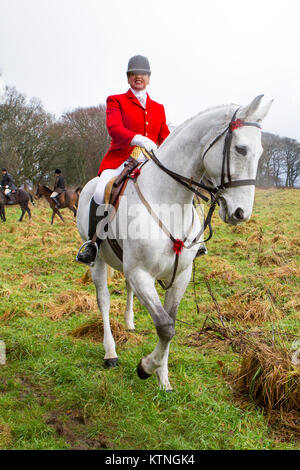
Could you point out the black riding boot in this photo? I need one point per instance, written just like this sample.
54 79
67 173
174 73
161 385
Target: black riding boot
9 199
57 203
88 255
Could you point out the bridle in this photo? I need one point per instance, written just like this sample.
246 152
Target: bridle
215 191
234 124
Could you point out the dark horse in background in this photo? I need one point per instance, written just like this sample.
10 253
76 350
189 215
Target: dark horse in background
21 197
67 199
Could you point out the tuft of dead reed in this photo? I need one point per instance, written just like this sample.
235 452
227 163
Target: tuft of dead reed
269 258
69 303
250 306
268 376
85 278
266 373
93 330
285 271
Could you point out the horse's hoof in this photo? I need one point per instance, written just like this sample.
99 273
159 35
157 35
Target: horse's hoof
140 371
110 363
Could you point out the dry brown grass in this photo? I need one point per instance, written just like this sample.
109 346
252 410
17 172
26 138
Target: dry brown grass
14 312
93 330
267 375
281 239
269 258
285 271
29 282
70 303
250 306
5 435
85 278
239 244
226 272
219 268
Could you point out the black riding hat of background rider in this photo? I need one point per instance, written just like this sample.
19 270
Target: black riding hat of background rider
4 169
57 171
139 64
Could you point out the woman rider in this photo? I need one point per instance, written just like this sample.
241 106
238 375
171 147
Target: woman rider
132 119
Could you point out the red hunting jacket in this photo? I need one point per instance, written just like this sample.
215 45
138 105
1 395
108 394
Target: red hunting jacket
126 117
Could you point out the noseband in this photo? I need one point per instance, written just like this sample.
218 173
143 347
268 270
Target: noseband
214 191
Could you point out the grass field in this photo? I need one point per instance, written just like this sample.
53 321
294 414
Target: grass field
235 385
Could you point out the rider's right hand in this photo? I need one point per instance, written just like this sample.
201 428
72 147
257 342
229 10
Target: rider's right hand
143 141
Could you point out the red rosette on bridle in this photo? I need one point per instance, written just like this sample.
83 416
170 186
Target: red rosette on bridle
236 124
178 246
135 173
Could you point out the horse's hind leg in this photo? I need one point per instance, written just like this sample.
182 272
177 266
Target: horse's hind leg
99 276
143 285
22 215
129 319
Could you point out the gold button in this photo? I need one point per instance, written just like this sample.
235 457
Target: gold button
146 133
146 123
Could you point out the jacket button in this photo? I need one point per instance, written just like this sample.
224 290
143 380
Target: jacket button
146 123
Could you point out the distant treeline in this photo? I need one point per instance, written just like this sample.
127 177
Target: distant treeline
33 143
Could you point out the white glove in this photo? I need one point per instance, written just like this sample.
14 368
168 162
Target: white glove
144 142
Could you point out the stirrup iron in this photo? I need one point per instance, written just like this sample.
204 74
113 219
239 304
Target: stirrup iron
88 242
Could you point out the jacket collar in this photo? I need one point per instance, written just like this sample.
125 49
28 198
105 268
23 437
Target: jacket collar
131 96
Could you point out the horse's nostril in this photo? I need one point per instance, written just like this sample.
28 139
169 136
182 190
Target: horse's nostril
239 214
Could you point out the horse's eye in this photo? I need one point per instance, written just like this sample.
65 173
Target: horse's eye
241 150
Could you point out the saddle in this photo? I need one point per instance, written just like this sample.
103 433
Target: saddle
116 186
11 199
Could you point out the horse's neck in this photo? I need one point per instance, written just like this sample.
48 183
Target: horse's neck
46 192
182 153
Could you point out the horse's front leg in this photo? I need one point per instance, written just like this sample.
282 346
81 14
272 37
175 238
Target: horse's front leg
172 300
129 317
56 211
99 276
143 286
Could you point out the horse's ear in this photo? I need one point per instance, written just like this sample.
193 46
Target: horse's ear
263 111
246 112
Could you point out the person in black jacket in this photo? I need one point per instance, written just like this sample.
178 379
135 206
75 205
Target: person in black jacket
59 187
8 184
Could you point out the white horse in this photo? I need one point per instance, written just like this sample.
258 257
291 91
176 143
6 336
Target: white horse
192 150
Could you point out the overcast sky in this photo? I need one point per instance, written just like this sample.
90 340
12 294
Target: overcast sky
74 53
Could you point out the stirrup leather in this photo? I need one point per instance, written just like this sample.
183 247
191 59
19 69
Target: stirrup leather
88 242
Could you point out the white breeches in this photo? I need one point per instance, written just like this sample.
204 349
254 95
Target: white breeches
106 176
